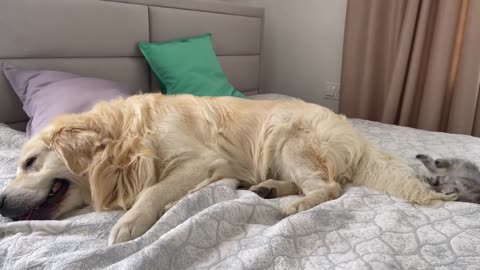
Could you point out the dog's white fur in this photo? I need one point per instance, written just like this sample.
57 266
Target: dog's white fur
145 152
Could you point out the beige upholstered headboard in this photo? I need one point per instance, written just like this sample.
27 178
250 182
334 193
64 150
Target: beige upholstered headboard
99 38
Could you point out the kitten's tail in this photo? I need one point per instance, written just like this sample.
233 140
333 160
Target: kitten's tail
384 172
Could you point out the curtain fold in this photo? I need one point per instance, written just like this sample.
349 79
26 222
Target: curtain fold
413 63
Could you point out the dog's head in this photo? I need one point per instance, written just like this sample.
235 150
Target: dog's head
76 161
51 177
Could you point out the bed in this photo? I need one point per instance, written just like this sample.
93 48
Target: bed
219 227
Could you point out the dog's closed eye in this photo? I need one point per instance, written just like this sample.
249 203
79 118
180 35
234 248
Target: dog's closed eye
29 162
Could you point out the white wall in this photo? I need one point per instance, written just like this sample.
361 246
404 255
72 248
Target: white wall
302 47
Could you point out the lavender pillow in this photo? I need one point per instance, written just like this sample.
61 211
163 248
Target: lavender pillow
48 93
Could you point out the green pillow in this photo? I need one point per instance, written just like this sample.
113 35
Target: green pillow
188 66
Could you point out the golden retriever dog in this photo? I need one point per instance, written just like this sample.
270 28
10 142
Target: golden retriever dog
143 153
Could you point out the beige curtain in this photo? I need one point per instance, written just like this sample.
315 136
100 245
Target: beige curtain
413 63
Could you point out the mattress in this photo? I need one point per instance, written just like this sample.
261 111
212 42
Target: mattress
221 227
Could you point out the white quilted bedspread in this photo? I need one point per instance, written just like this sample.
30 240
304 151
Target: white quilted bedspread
222 228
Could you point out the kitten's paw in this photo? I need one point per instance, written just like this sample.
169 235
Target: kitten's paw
422 156
432 181
299 205
442 163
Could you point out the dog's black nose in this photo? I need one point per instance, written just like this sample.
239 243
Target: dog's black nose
2 200
4 206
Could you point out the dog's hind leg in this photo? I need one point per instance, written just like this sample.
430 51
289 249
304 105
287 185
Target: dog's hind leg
219 170
316 191
273 189
383 172
202 184
313 174
205 183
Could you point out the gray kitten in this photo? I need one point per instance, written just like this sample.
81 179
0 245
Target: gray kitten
453 176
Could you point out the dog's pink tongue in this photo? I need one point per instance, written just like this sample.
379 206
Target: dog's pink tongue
56 186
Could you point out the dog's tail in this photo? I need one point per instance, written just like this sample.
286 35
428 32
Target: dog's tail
386 173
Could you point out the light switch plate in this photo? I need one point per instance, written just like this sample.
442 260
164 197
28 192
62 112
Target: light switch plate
331 90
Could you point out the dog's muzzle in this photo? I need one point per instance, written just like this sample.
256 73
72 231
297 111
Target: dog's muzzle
18 207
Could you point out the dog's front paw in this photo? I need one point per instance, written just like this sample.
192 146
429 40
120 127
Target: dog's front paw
129 227
298 206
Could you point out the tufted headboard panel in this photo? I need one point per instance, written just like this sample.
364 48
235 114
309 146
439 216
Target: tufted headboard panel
99 38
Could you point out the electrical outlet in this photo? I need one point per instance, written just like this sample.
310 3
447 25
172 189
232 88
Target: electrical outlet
331 90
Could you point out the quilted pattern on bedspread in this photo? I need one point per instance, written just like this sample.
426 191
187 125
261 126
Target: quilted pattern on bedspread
222 228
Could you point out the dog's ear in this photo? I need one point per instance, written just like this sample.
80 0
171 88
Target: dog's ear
76 146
